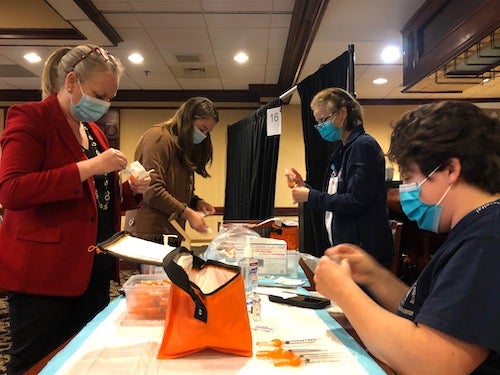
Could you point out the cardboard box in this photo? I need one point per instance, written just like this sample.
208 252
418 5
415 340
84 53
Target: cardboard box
271 254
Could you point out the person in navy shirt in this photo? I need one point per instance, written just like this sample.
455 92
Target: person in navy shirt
353 199
448 321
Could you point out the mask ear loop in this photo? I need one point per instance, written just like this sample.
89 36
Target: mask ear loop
429 175
444 195
81 90
80 85
447 190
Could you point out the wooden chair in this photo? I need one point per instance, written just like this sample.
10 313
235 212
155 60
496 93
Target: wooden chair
396 227
309 274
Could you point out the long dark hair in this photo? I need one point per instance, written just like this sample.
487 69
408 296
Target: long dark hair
181 124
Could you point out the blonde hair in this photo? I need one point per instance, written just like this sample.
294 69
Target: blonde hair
84 60
50 78
335 98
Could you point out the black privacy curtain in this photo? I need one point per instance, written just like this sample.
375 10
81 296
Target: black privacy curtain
252 159
317 151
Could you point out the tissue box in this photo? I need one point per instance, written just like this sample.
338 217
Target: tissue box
271 254
147 296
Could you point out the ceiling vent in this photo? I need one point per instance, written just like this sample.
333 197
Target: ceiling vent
190 59
205 71
194 71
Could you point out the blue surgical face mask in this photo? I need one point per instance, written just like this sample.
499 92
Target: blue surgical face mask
328 131
89 108
426 215
198 136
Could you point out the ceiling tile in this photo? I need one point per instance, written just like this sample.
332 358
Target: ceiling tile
224 57
278 37
174 39
235 83
165 6
206 56
253 72
238 38
124 21
275 56
194 83
226 6
272 73
283 5
281 20
135 39
224 21
167 21
112 5
151 57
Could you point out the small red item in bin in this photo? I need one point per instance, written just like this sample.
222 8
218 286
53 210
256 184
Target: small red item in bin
147 297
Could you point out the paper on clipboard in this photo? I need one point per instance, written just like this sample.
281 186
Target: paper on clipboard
127 247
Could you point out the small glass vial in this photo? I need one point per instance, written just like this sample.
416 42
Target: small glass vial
256 311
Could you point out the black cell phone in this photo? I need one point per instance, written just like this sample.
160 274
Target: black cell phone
302 300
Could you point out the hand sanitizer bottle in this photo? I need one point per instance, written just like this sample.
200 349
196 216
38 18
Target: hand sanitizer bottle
249 268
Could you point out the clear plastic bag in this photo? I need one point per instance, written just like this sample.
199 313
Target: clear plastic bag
228 245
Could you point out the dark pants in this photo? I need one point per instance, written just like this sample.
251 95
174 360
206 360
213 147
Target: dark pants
39 324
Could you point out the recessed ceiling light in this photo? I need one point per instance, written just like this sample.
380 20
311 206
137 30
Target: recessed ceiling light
390 54
241 57
380 81
32 57
136 58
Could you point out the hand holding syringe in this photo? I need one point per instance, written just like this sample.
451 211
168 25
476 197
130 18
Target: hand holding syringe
289 178
294 178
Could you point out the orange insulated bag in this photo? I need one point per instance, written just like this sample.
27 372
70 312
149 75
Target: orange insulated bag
206 308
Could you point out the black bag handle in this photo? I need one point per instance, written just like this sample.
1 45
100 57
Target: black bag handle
179 277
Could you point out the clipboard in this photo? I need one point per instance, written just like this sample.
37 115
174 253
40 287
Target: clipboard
124 246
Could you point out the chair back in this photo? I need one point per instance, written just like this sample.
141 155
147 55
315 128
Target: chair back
396 228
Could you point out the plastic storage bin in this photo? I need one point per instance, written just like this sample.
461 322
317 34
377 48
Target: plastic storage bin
147 296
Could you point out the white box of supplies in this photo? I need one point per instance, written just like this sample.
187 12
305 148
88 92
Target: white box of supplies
271 254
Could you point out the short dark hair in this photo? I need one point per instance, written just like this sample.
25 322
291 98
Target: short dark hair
431 134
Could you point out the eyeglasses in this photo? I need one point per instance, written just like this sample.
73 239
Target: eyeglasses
322 121
100 51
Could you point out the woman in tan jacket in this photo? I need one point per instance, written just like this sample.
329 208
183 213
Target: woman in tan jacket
175 150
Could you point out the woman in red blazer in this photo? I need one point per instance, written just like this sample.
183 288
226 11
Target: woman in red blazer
60 190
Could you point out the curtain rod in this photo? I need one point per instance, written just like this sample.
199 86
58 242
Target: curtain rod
287 93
